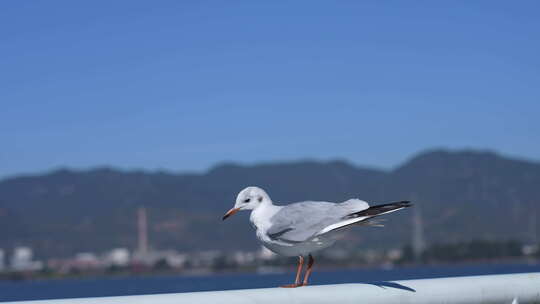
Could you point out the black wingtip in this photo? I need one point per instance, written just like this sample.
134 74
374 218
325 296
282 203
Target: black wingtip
381 209
399 204
404 204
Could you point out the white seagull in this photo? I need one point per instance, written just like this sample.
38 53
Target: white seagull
300 229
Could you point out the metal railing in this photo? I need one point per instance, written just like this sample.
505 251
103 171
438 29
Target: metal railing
500 289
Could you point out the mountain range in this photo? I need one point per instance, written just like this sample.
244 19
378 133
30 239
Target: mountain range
459 195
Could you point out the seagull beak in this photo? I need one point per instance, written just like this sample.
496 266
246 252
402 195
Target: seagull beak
230 212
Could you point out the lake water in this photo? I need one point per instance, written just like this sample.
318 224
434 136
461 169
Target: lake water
97 287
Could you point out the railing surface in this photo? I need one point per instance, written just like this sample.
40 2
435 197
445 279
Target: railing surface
500 289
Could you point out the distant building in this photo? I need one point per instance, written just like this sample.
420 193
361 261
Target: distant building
152 257
86 257
118 257
81 261
394 254
175 259
84 260
244 257
266 254
22 260
204 259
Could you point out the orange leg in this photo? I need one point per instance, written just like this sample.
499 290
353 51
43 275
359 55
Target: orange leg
298 272
308 270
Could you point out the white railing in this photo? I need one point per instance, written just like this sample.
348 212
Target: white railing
500 289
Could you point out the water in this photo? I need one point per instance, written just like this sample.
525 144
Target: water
98 287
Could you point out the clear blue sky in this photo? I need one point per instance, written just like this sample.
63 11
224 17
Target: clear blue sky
183 85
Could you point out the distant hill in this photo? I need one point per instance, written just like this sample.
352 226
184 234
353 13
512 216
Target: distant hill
461 195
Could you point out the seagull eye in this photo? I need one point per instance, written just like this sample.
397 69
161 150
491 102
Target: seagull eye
247 200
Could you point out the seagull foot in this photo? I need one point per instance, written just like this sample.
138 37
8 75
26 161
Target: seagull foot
294 285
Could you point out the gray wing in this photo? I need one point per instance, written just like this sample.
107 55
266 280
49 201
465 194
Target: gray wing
298 222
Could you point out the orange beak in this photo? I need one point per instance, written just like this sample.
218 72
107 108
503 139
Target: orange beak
230 212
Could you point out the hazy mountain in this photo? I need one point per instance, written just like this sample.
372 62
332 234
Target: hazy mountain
461 195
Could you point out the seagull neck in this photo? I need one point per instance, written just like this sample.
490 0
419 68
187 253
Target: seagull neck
264 205
265 210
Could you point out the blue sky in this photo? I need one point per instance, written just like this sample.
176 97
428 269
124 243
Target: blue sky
183 85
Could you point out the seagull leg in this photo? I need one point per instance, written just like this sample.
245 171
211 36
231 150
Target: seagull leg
309 269
298 272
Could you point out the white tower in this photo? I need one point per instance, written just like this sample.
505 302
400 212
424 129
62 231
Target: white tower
533 228
142 229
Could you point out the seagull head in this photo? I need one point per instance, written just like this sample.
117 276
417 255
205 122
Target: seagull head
248 199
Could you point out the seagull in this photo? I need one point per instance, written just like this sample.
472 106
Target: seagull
299 229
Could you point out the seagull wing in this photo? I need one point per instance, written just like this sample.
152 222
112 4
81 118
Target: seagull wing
299 222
